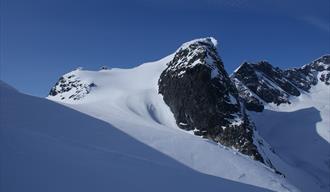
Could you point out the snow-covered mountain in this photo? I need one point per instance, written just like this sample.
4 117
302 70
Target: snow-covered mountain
187 107
45 146
157 103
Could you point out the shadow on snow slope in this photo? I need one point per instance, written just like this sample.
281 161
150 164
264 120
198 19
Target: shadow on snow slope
47 147
295 140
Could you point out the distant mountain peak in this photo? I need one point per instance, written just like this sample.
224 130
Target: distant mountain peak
267 84
323 60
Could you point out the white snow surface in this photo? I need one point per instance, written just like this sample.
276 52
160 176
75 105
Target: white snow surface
300 135
129 100
45 146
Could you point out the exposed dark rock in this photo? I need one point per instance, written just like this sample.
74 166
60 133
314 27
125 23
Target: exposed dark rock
262 83
267 82
71 87
307 76
202 97
248 98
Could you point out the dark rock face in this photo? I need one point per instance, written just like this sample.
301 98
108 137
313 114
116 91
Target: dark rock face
262 83
267 82
71 87
202 97
307 76
248 98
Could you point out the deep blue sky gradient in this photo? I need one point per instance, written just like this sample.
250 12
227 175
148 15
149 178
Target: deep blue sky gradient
42 39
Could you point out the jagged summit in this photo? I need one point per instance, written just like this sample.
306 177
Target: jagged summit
260 83
266 81
197 52
203 99
206 40
321 61
310 74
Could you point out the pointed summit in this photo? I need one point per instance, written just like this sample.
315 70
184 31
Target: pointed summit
203 99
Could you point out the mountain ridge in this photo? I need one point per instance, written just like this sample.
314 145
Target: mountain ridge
260 83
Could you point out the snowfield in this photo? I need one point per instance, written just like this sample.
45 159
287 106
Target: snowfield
300 135
48 147
129 100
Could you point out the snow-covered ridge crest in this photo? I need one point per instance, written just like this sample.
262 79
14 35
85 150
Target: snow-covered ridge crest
74 87
324 60
310 74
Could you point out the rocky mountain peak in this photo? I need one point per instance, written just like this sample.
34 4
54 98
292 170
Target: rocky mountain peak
322 63
209 41
310 74
267 82
203 99
197 52
260 83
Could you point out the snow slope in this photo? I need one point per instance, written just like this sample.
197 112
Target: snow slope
129 100
300 135
48 147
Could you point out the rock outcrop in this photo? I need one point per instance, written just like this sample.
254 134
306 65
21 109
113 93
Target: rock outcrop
203 99
71 87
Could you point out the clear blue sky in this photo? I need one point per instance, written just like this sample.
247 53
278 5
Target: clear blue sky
42 39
